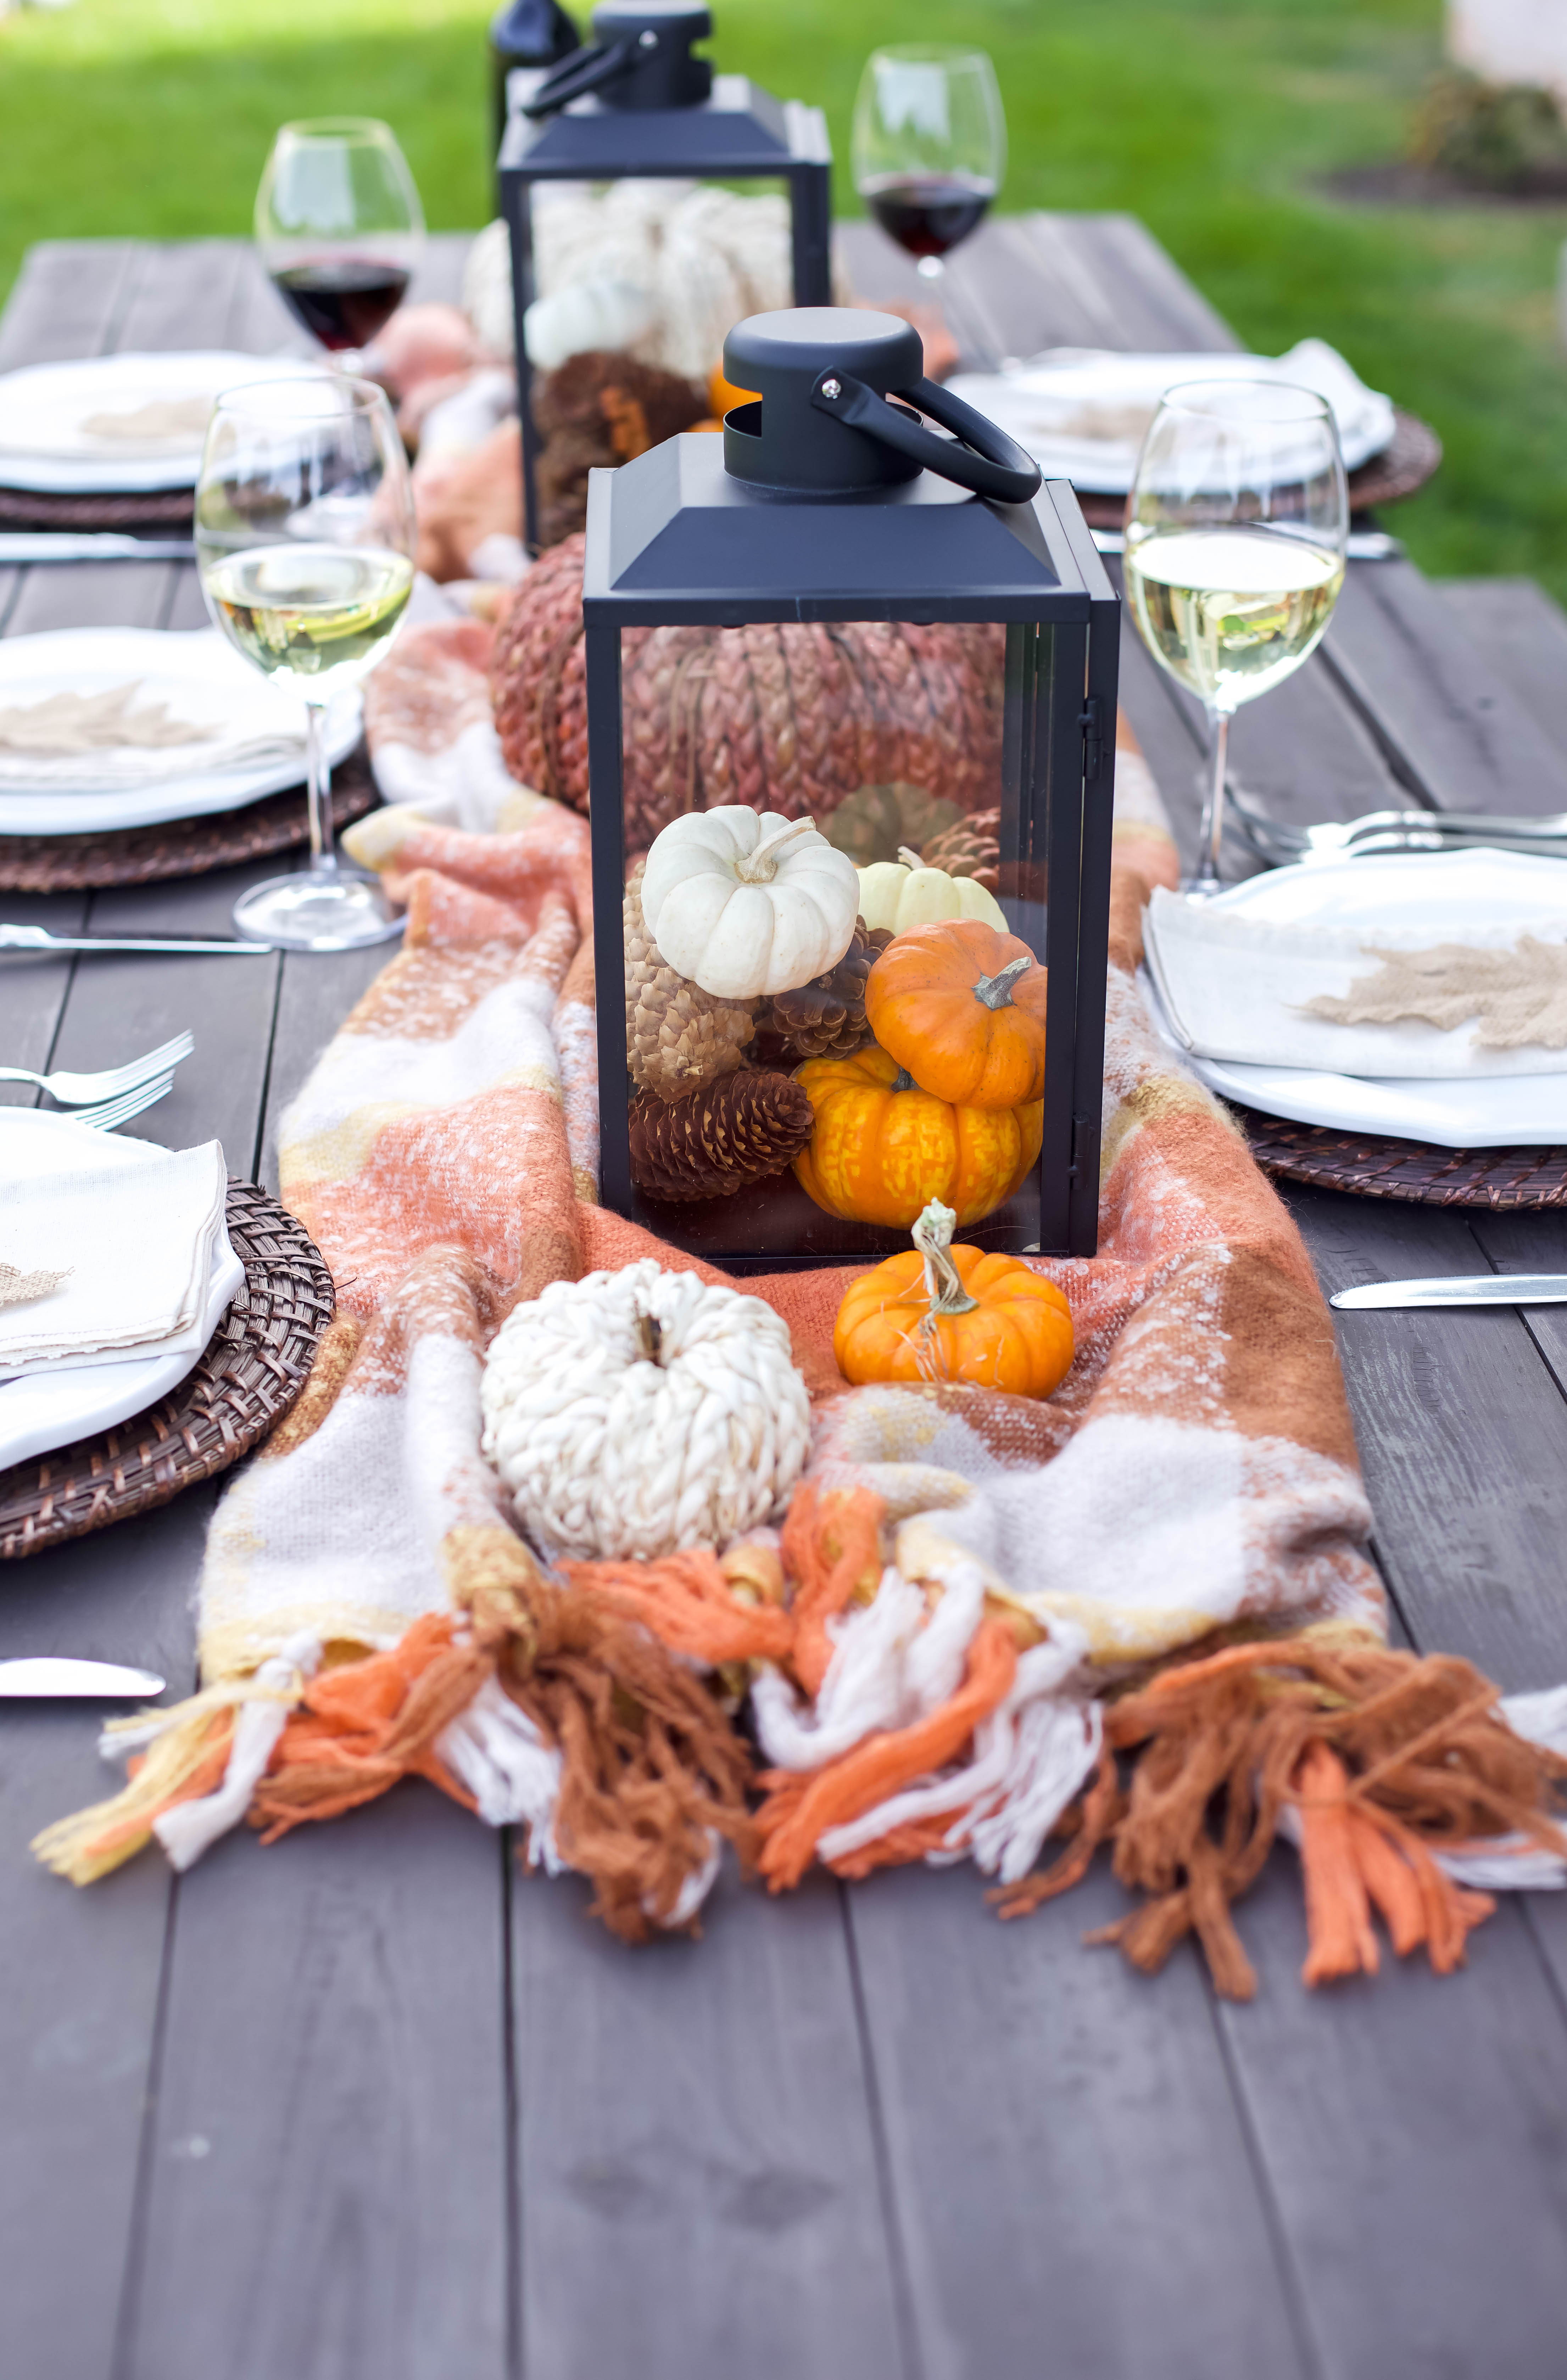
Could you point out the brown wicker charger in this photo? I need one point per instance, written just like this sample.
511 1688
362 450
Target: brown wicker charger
147 854
1399 470
255 1365
1506 1180
164 508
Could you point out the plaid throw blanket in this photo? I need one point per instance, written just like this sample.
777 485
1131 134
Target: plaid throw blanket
1141 1614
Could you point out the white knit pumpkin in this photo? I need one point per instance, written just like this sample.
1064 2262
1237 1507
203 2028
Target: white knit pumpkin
639 1411
743 902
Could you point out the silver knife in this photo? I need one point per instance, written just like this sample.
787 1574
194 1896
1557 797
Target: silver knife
35 937
1460 1289
39 1679
64 545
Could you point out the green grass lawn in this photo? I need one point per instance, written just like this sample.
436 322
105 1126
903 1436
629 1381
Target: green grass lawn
1214 120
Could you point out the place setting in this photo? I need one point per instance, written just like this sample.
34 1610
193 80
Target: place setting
1383 1003
131 756
157 1316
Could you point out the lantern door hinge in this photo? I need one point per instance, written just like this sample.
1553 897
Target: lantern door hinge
1084 1146
1090 718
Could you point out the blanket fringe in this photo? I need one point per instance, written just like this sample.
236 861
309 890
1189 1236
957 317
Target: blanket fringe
1377 1760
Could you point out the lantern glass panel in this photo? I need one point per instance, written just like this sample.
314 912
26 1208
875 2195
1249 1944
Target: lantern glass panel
766 1123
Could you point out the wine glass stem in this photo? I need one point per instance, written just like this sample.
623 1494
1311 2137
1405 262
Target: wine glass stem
1210 833
931 268
318 784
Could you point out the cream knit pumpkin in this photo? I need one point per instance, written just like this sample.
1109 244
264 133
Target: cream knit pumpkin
636 1413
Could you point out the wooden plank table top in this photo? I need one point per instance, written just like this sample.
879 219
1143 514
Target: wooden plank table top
375 2103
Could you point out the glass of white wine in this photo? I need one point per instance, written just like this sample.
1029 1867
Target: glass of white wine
305 541
1235 553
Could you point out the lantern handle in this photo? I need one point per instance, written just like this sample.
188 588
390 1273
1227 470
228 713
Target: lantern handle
987 460
585 72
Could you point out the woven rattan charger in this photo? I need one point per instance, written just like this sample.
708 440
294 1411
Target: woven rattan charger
1399 470
254 1367
1506 1180
149 855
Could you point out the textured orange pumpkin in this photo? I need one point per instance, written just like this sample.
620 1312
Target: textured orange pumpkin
963 1007
941 1313
882 1149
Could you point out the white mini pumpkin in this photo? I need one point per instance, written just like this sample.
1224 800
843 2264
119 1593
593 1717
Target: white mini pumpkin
744 902
636 1413
586 314
898 894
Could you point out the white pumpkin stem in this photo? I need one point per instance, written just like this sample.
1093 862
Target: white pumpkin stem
995 991
945 1292
761 867
909 858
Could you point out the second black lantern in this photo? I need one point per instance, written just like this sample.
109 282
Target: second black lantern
639 104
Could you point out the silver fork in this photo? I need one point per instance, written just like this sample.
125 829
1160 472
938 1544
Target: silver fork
1391 830
105 1117
83 1090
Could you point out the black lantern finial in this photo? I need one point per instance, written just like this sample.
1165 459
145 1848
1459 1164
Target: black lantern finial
824 375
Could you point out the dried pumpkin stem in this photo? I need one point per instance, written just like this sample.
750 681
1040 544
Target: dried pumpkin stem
761 865
995 991
909 858
945 1292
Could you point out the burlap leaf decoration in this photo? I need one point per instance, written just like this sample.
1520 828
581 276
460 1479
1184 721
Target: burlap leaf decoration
1519 996
21 1288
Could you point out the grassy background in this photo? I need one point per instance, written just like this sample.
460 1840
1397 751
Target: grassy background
1215 120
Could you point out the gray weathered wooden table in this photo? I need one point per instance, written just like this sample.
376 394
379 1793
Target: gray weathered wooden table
372 2107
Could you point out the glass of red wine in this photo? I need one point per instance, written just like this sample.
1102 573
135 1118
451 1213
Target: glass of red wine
340 229
929 146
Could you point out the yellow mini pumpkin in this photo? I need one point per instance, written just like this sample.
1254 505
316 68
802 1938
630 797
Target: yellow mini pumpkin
898 894
941 1313
882 1149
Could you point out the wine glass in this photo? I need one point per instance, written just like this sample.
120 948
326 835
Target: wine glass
1235 553
929 146
340 229
305 543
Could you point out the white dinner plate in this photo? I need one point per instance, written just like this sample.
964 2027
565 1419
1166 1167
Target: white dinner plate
1082 413
197 674
44 1410
46 444
1448 894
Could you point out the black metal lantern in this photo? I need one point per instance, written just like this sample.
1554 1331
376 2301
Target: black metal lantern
639 104
837 614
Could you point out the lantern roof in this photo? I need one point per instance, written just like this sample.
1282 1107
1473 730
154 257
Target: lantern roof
673 537
741 130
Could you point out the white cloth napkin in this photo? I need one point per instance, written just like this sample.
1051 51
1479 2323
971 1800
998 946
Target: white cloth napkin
134 1243
98 739
1082 412
1236 987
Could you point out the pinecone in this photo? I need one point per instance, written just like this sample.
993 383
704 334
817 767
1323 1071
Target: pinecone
972 847
825 1018
716 1141
679 1037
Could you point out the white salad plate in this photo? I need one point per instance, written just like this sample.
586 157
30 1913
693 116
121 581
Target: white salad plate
46 444
43 1411
1448 894
1082 412
197 676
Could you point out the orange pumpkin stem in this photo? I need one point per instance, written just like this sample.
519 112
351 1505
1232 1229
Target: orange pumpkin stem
945 1292
995 991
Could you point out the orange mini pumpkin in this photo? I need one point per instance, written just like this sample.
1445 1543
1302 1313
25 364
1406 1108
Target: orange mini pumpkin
882 1149
963 1007
941 1313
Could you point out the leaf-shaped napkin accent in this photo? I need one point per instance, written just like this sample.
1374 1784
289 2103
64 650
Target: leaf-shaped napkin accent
94 722
1518 996
21 1288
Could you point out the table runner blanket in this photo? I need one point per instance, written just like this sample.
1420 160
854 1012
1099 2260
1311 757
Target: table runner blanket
1140 1614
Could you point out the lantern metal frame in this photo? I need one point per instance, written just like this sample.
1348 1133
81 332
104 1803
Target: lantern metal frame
674 538
742 133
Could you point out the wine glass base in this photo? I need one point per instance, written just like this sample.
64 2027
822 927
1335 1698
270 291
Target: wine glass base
317 913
